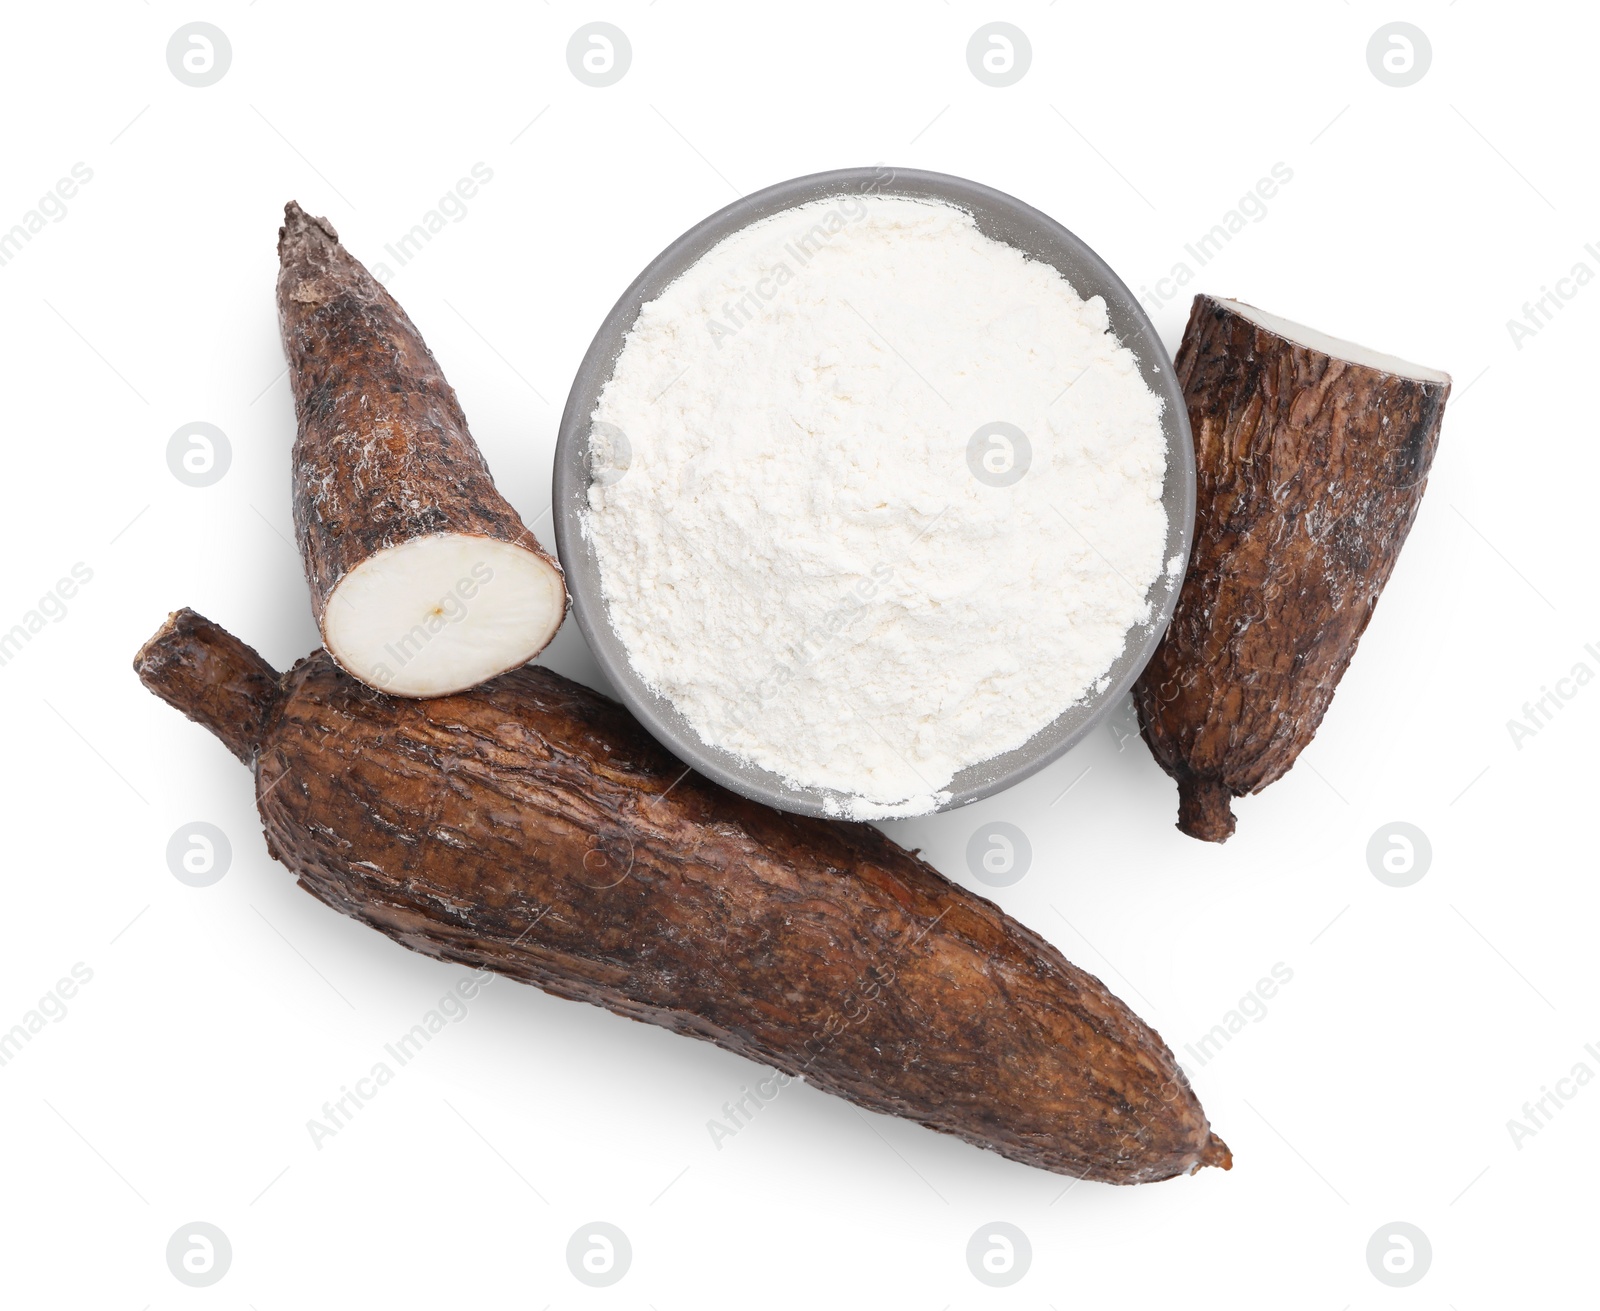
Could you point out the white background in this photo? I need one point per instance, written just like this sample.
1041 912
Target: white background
1379 1083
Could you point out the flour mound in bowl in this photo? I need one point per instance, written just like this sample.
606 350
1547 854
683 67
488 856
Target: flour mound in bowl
826 544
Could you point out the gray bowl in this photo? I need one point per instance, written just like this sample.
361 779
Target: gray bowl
999 216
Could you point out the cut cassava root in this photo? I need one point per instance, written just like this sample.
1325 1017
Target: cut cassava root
1312 457
423 579
532 827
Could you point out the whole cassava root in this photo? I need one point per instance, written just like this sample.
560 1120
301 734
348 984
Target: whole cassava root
1312 456
423 579
532 827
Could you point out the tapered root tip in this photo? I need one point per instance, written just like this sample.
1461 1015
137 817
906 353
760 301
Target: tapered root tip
301 229
1204 809
212 677
1217 1153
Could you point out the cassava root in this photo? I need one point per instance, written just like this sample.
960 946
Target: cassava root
423 579
532 827
1313 454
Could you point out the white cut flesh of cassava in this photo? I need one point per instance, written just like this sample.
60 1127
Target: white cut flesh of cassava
443 613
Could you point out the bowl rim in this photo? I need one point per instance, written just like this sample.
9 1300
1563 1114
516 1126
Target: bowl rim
993 209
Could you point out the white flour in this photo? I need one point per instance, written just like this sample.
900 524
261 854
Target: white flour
799 553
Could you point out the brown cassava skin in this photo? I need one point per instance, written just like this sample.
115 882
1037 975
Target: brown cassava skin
533 828
1311 470
383 453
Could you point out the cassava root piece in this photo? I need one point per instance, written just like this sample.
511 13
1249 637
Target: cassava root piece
423 579
532 827
1313 454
